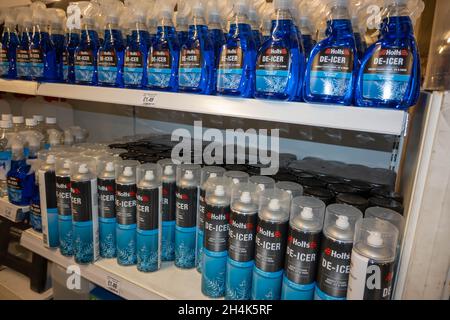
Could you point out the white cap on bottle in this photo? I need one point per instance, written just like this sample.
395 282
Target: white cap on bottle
17 120
38 118
5 124
30 122
50 120
7 117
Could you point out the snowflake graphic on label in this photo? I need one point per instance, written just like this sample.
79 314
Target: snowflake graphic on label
157 79
147 260
83 75
108 246
132 77
184 256
167 251
189 79
83 250
66 244
241 292
229 81
4 68
107 76
214 288
127 256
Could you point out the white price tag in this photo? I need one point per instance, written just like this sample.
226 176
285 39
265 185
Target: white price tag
9 212
148 99
113 285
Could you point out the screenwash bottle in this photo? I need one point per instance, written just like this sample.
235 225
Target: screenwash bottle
236 73
390 70
164 54
216 33
182 21
22 54
196 69
8 47
333 63
280 62
57 18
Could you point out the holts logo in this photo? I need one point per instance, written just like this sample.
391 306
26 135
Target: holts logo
337 255
302 244
182 196
219 217
107 188
143 198
394 52
268 233
130 194
63 186
241 225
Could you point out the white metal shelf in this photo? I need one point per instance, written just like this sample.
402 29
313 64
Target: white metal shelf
168 283
372 120
18 86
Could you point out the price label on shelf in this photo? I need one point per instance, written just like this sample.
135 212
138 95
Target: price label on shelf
8 212
149 99
113 285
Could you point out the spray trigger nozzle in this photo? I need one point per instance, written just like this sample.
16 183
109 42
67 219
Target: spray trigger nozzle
246 197
168 170
83 168
274 204
128 172
307 213
342 222
189 175
374 239
149 175
109 167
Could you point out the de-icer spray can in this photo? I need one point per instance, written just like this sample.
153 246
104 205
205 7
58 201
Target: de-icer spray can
270 242
148 235
63 199
237 176
241 242
108 169
83 191
126 214
335 252
294 189
168 209
262 182
188 180
206 173
49 210
373 260
303 247
216 216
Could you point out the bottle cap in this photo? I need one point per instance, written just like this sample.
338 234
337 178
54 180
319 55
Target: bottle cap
274 205
5 124
17 120
30 122
307 213
246 197
149 175
38 118
109 167
7 117
168 170
128 172
189 175
50 120
50 159
342 222
219 191
83 168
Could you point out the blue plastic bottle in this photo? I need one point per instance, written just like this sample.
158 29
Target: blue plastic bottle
216 34
22 53
111 54
20 182
390 71
196 69
8 48
255 24
42 50
136 51
333 63
164 54
72 41
280 62
85 55
306 33
182 22
57 18
236 73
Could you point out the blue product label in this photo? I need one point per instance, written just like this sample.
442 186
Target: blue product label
199 250
272 70
5 164
22 63
36 63
107 67
266 285
190 72
126 244
159 68
213 273
15 190
83 244
185 244
168 241
133 68
230 68
53 228
65 235
4 63
387 74
320 295
107 237
35 216
294 291
84 66
239 280
331 72
147 250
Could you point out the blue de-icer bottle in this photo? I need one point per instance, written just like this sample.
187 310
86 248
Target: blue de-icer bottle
389 76
56 22
85 56
148 218
8 48
216 34
83 194
164 53
236 72
333 63
270 243
49 211
280 62
63 200
72 40
126 216
182 22
241 242
197 64
106 184
255 24
111 54
303 245
168 209
22 54
306 33
206 173
217 215
136 52
187 195
42 50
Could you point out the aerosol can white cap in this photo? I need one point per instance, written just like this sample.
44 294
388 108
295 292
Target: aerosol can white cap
7 117
17 120
168 170
110 167
83 168
50 159
30 122
128 172
149 175
219 191
50 120
5 124
342 222
246 197
189 175
38 117
274 204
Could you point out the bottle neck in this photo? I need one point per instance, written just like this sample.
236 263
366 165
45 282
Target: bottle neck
198 21
339 28
397 26
239 19
165 22
281 22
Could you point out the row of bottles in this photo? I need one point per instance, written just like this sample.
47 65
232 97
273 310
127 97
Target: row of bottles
140 48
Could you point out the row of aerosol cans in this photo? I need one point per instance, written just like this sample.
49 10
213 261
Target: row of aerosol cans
251 238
